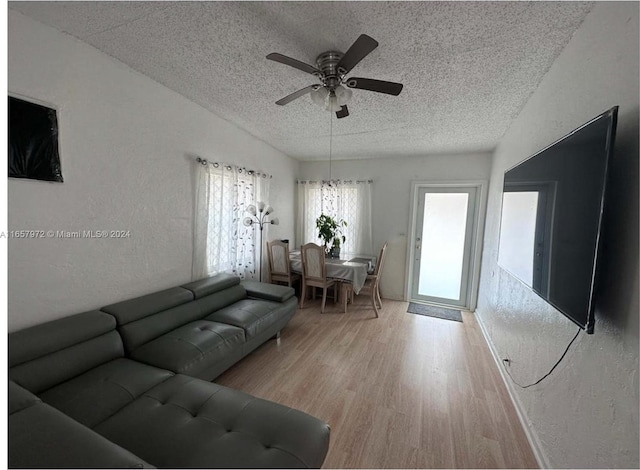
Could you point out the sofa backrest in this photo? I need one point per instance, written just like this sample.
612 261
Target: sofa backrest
45 355
20 398
41 436
145 318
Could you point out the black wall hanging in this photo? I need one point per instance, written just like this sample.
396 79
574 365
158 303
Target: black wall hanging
33 141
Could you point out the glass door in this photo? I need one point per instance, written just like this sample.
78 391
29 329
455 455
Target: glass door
444 227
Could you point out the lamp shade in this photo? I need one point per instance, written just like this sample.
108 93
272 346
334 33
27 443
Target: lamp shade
343 95
332 103
251 209
247 222
319 96
275 221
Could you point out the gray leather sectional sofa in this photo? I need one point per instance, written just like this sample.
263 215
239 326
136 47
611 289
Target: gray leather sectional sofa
128 385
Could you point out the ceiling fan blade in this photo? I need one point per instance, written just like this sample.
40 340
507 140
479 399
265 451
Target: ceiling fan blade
344 112
379 86
283 59
296 94
358 51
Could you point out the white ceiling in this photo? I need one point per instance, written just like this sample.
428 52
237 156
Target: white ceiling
467 67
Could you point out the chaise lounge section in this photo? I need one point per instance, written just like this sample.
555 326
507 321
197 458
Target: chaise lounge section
127 379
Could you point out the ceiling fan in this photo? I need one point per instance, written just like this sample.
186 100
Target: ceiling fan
331 69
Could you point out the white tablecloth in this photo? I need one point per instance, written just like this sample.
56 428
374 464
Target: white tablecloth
352 271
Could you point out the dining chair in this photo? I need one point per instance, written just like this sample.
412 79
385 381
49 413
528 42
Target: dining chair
372 284
314 273
346 294
279 266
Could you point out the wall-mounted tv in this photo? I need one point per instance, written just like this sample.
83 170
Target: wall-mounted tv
552 209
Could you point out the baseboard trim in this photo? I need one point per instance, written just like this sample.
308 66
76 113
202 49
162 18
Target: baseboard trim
532 436
392 297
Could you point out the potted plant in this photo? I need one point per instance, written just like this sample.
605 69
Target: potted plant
330 231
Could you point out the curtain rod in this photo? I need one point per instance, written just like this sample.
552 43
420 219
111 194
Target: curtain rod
334 181
229 166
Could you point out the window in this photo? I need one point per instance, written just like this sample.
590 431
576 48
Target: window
347 200
222 243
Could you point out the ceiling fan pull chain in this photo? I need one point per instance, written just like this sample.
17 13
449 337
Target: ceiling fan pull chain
330 142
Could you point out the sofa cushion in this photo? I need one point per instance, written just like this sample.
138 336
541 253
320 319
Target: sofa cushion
252 315
187 422
148 317
45 355
265 334
221 299
143 306
42 437
266 291
139 332
194 348
99 393
211 285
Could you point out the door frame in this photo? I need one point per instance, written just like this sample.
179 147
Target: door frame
477 236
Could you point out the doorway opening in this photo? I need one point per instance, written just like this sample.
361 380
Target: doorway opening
443 245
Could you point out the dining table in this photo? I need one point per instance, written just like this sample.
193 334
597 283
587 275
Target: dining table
349 267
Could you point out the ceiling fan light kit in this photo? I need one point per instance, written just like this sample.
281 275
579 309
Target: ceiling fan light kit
319 96
343 95
331 69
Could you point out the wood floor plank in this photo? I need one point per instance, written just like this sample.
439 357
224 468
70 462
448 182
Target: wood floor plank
399 391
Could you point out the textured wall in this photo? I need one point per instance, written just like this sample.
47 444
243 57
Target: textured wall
392 198
126 147
586 413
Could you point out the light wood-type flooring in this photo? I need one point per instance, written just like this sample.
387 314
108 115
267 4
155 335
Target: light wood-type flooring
399 391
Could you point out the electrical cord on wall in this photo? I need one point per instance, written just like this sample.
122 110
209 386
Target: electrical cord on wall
506 362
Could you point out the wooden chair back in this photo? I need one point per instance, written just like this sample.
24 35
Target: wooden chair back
378 269
372 285
279 258
313 267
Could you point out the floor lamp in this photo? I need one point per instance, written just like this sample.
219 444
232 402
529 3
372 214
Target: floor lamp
258 217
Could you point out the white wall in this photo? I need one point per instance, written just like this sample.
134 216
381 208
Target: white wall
586 413
391 198
127 146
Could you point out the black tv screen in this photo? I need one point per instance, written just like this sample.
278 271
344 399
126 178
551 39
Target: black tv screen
552 208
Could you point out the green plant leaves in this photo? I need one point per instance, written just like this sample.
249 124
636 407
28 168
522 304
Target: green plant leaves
330 230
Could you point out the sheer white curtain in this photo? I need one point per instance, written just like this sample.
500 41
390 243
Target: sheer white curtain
349 200
221 241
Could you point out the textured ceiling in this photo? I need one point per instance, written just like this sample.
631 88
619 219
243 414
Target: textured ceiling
467 67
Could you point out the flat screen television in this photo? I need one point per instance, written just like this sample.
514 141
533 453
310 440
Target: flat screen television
551 223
